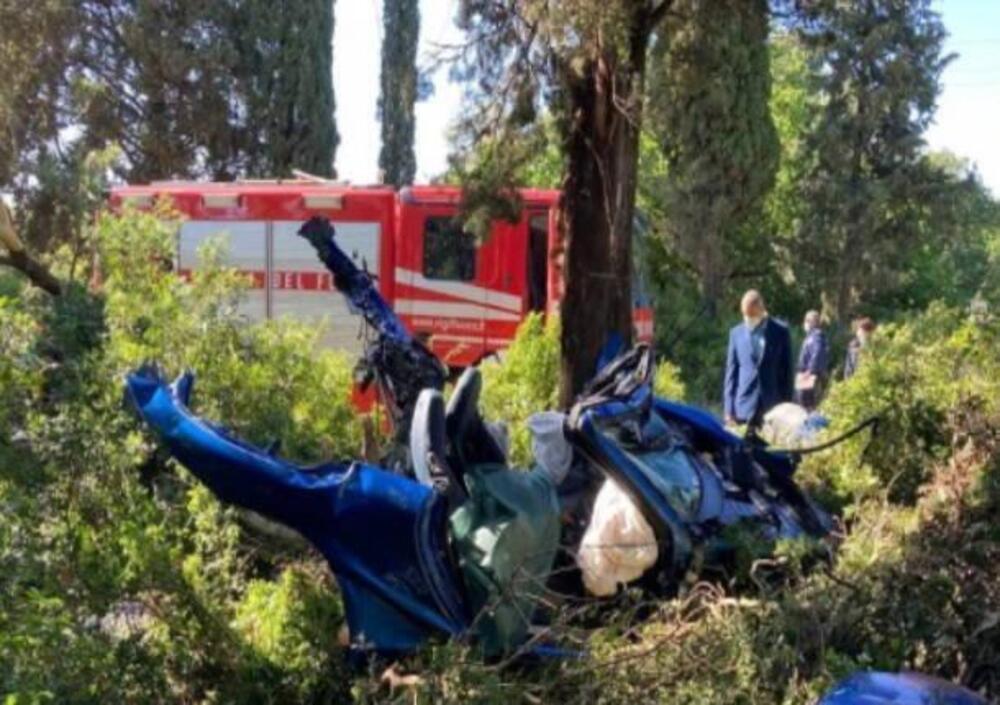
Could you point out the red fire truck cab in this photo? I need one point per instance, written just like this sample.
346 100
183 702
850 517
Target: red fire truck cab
465 297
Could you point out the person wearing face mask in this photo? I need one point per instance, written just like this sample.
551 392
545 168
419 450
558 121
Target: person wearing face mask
863 330
814 358
758 364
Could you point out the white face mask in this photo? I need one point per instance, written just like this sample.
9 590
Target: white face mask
752 321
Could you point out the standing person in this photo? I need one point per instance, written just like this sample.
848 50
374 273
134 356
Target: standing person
814 359
758 364
863 330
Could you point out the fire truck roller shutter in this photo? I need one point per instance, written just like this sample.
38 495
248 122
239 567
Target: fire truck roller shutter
302 288
245 250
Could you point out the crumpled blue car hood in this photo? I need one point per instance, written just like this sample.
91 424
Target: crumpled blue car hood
396 593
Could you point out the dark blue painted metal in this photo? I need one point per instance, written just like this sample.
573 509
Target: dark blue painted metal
873 688
706 428
399 363
383 535
356 286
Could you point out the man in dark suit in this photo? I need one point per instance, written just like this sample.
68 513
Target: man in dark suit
814 358
758 364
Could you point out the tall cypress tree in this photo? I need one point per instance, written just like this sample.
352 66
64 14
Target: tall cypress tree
868 187
401 33
708 100
286 70
185 88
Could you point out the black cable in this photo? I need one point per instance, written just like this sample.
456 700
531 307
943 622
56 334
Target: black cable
853 431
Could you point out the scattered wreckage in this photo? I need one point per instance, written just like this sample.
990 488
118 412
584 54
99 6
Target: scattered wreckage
443 539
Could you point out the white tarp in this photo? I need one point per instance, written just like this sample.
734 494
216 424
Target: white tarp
619 544
785 425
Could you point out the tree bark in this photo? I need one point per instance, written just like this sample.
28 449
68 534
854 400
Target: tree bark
18 257
598 206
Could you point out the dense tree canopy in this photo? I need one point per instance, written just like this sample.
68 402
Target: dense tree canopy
400 82
708 105
32 87
875 67
183 89
284 74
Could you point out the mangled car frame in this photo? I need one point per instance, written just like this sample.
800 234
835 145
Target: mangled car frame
443 538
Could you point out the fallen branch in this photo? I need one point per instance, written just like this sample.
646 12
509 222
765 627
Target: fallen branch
18 257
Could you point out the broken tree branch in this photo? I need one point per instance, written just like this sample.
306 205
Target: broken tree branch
18 257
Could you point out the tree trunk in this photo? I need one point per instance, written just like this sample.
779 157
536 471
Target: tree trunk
604 109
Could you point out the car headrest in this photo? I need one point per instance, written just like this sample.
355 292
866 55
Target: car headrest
428 447
463 406
469 441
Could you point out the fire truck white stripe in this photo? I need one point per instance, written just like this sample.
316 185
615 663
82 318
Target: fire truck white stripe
460 290
501 342
449 309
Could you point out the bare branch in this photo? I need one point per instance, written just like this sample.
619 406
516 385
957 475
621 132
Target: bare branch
18 257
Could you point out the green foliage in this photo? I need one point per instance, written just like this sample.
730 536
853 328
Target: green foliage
916 376
400 88
524 382
869 190
179 89
667 381
490 178
32 55
293 623
121 579
282 63
910 588
582 65
708 105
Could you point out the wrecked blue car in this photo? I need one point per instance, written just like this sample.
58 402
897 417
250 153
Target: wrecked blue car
445 540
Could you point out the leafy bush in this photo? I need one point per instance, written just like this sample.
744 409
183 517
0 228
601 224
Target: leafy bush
122 579
915 376
912 588
525 381
667 381
293 623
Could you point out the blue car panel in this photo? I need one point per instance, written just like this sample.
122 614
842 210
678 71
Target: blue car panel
874 688
383 535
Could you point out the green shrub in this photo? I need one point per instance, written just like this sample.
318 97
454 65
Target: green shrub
97 526
914 377
292 624
525 381
667 382
96 522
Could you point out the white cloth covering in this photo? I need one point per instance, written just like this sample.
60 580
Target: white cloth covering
619 544
785 425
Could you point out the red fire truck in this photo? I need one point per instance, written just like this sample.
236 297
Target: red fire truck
464 297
